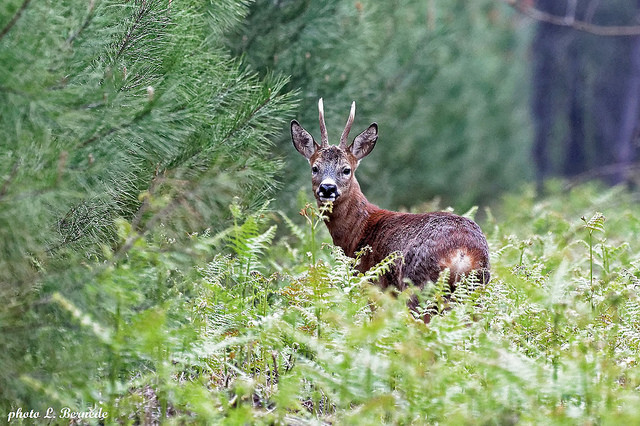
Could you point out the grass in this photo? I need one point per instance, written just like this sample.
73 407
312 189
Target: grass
273 325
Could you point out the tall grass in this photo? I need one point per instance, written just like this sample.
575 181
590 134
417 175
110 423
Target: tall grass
276 326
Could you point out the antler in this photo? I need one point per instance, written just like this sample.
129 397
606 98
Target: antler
347 128
323 127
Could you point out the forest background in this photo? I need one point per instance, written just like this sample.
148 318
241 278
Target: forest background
144 271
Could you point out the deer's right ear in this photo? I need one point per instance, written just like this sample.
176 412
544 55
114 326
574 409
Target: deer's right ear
302 140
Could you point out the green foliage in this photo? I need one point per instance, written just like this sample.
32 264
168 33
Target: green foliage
107 110
443 79
124 128
134 280
260 330
541 343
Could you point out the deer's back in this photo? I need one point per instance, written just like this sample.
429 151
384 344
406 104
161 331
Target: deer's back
429 243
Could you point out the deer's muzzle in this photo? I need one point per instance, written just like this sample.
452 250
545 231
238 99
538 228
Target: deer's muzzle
328 191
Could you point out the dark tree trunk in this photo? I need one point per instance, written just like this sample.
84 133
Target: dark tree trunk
575 155
585 101
550 86
625 150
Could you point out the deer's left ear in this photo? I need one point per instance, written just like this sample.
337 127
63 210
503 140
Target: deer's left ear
364 143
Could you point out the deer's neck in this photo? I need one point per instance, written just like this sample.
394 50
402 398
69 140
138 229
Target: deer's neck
349 218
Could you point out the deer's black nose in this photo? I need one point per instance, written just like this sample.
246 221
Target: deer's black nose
328 191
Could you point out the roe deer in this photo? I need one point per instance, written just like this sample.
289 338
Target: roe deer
429 242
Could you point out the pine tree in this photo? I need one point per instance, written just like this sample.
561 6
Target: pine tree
111 111
442 79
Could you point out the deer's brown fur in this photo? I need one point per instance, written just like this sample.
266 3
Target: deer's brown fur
429 242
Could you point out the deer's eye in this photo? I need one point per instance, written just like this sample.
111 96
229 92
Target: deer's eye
314 169
346 171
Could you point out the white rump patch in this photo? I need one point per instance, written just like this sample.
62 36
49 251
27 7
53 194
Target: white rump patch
459 263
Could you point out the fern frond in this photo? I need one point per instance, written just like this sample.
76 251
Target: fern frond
296 230
383 267
257 244
247 240
218 269
343 273
471 213
498 253
596 223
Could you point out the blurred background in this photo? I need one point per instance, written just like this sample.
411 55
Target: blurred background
141 139
472 98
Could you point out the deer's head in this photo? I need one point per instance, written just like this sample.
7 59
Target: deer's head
332 166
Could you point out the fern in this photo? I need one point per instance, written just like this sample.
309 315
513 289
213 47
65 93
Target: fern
295 229
315 340
217 271
394 259
596 223
247 239
471 213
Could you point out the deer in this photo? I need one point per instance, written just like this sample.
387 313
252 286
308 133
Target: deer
429 243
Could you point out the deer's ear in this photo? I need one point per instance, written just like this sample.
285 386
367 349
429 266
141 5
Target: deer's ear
302 140
364 143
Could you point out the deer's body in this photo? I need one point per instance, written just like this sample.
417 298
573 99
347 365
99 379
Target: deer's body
429 242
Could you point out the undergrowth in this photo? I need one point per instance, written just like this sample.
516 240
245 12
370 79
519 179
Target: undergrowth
274 325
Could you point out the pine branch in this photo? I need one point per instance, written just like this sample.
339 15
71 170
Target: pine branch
16 92
146 8
248 119
136 118
129 243
7 182
527 9
163 214
15 18
127 38
85 24
238 126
